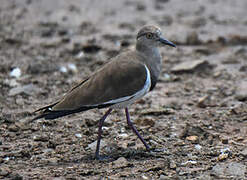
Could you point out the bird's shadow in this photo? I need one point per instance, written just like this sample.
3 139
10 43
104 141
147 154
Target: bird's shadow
129 154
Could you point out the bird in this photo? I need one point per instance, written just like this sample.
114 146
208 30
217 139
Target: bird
122 81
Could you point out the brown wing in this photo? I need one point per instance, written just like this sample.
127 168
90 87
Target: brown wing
117 79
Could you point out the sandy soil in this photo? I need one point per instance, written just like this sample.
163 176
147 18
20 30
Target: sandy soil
197 113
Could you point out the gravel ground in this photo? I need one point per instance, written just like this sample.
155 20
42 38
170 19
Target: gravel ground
197 114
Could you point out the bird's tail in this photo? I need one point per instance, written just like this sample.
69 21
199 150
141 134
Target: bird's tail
52 114
47 112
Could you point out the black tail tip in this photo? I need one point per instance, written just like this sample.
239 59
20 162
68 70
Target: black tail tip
38 117
52 115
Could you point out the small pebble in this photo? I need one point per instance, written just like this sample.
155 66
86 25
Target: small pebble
166 77
63 69
163 177
80 55
224 154
78 135
92 146
172 165
120 162
198 147
16 72
222 157
144 177
13 128
202 102
124 135
117 43
6 158
193 139
225 150
11 82
189 162
104 128
224 140
72 67
42 138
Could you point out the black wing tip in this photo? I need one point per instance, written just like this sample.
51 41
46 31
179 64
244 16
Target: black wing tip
45 111
49 114
38 117
52 115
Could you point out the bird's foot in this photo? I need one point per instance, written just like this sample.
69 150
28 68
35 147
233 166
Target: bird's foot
102 158
157 150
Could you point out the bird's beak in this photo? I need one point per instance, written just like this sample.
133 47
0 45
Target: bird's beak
166 42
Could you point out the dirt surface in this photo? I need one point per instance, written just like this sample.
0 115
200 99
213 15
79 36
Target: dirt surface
196 116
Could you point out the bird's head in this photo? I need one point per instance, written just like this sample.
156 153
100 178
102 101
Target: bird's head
152 36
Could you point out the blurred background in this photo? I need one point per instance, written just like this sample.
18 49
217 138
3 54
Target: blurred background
197 112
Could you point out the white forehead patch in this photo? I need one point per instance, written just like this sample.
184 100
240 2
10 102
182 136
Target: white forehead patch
158 31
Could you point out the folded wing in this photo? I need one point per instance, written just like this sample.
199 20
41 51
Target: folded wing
115 82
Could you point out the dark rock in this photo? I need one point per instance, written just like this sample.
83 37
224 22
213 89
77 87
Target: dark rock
91 48
193 39
13 41
145 122
42 138
41 67
7 118
224 140
15 176
13 128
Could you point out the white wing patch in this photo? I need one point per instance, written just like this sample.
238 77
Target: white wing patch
127 100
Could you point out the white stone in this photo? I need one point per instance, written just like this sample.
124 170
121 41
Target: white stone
63 69
72 67
78 135
16 72
123 135
198 147
80 55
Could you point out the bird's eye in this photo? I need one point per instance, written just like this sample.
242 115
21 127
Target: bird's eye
149 35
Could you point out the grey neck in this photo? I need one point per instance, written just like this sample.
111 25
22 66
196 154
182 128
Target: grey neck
152 59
